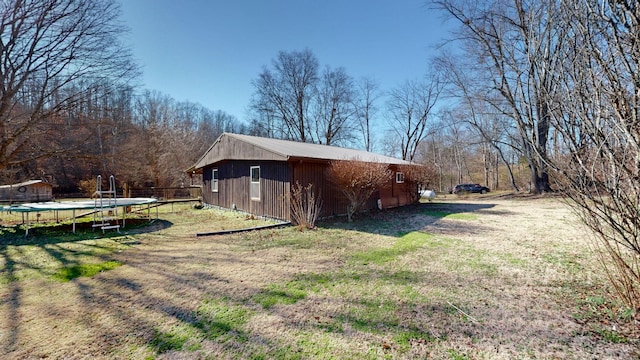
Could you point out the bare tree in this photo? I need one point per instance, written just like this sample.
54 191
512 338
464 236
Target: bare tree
366 95
409 111
334 112
468 87
47 48
154 116
167 140
458 137
599 122
572 69
435 152
285 92
517 51
264 120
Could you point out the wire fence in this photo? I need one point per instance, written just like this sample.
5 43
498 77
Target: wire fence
165 193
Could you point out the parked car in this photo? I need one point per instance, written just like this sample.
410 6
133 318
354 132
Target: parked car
469 188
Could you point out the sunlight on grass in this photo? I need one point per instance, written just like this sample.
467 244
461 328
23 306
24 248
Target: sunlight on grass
450 215
456 355
565 259
407 243
462 216
189 220
274 294
475 261
184 336
406 337
611 336
69 273
40 258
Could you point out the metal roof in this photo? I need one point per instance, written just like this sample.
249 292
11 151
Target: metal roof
24 183
298 150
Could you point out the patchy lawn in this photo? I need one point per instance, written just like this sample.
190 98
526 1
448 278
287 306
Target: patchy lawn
460 278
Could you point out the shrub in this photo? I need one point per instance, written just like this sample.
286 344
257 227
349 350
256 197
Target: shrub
87 187
305 206
358 180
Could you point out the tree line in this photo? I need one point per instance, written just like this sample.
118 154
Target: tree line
559 83
147 139
296 99
69 110
69 107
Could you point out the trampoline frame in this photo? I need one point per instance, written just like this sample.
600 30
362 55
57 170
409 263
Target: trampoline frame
79 205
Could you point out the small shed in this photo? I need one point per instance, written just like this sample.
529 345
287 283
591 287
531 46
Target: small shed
256 174
27 191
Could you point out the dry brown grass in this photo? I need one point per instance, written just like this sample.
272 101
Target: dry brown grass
463 278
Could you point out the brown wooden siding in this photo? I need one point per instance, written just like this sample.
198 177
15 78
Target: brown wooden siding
233 188
276 178
274 190
305 173
395 194
333 202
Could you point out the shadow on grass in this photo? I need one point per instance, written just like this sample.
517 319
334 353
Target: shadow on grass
21 255
401 220
53 233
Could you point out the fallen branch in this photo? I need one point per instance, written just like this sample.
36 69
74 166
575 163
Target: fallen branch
474 320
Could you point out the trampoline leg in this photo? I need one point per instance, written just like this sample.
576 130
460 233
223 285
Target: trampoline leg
26 226
73 229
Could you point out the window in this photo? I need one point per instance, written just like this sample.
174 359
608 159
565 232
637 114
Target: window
254 187
214 180
399 177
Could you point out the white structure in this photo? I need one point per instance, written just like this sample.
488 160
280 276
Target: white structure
428 194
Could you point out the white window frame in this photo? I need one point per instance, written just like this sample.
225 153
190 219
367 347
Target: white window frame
399 177
254 184
214 180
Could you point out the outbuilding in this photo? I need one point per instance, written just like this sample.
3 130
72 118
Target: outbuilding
27 191
256 174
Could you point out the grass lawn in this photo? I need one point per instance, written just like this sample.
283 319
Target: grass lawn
459 278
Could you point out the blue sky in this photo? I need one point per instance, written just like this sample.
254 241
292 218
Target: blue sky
209 51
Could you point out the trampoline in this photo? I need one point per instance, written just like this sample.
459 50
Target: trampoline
95 205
